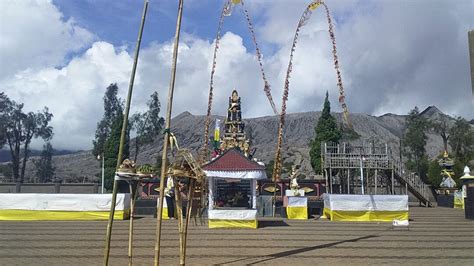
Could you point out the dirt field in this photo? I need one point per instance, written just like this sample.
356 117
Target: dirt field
437 236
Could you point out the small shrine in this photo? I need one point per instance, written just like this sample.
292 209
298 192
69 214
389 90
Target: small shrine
232 175
447 185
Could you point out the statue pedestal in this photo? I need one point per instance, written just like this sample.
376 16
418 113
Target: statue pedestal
297 208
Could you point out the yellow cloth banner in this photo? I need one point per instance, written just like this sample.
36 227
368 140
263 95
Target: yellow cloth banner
458 202
235 2
365 216
297 213
215 223
45 215
164 214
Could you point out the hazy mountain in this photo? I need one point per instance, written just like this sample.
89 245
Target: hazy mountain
5 155
262 131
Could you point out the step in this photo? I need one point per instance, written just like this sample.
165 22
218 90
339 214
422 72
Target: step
145 211
145 203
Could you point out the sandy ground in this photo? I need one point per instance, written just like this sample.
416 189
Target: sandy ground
437 236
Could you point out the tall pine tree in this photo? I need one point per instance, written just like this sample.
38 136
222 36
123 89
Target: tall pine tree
113 107
148 125
414 141
326 131
44 166
111 149
107 135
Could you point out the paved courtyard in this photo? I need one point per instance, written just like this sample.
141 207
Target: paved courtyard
436 236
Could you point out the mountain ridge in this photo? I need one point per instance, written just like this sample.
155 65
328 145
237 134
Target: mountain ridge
262 131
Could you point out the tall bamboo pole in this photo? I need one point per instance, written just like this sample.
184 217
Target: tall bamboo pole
179 208
189 207
164 157
122 135
133 192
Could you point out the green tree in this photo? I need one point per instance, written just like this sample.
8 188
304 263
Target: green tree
269 168
442 128
19 129
147 125
3 112
44 166
434 177
462 141
111 149
6 171
113 107
414 141
326 131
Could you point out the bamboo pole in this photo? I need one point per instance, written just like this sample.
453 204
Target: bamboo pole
164 157
183 225
179 208
189 207
133 192
122 136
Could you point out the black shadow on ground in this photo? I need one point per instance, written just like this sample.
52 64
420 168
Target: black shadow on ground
301 250
277 223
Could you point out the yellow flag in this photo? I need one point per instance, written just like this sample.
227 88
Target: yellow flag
235 2
217 130
314 5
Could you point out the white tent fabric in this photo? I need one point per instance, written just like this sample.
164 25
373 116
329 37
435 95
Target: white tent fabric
62 202
297 201
290 192
366 202
233 214
237 174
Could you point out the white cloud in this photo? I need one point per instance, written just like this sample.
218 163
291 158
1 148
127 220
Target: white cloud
35 35
393 57
73 93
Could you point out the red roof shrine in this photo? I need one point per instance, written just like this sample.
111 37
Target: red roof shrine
232 160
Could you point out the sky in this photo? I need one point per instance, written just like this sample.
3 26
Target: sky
394 55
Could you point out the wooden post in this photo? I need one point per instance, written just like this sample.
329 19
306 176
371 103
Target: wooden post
164 157
330 180
393 182
375 181
348 181
367 180
122 136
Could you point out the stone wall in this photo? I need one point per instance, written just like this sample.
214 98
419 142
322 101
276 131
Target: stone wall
81 188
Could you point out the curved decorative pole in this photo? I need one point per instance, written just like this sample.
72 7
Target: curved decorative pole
122 135
204 151
227 11
303 20
164 157
342 97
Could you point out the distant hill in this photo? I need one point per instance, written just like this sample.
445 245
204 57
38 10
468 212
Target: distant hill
5 155
262 131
